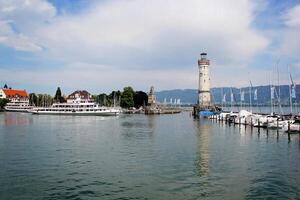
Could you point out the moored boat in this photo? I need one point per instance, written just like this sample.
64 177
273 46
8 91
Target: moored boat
78 103
293 127
76 109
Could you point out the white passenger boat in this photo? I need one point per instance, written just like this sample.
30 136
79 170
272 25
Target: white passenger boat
18 106
88 108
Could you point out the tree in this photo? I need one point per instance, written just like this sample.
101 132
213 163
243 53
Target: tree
114 97
44 100
33 99
127 97
58 97
140 99
3 102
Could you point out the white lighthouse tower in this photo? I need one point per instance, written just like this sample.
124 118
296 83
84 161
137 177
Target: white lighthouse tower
204 82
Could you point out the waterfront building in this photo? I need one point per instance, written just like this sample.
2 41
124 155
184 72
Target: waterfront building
18 100
204 82
80 96
14 95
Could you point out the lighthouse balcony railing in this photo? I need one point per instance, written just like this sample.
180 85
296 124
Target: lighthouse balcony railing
203 62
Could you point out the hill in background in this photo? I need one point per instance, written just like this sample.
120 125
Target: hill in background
189 96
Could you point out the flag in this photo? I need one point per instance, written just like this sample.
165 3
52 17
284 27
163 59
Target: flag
171 101
293 91
272 92
224 98
255 95
165 100
242 96
231 97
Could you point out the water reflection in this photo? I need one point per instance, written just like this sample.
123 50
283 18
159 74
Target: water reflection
15 119
202 159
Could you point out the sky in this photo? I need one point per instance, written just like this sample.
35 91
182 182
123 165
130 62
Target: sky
105 45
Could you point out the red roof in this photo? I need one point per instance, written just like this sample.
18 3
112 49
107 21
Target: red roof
15 93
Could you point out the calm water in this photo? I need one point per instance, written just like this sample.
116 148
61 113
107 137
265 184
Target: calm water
143 157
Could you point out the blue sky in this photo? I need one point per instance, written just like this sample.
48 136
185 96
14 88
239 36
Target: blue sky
106 45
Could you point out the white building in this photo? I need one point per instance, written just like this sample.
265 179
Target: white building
80 96
204 99
14 95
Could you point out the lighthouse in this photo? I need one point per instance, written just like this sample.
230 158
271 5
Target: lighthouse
204 82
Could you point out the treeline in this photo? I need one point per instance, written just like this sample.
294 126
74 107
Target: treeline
128 98
46 99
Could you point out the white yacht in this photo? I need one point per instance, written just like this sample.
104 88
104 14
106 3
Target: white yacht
88 108
18 106
78 103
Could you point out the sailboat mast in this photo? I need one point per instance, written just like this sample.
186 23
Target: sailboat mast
222 94
250 96
278 82
290 89
291 102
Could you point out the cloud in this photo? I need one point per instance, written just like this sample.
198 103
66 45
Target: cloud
292 17
162 33
19 19
139 42
290 44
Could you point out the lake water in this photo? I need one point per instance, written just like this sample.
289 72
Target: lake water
143 157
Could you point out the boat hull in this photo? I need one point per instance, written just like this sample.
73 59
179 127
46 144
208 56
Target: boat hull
77 113
16 110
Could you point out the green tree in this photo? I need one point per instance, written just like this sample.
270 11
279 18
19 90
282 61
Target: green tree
44 100
3 102
58 98
33 99
114 97
127 97
102 99
140 99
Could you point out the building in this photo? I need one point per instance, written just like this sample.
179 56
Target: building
204 97
14 95
80 96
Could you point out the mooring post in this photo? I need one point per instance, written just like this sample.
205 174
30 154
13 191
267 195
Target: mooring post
258 126
289 132
277 128
267 127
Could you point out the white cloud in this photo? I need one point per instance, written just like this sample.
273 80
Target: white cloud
290 44
292 17
139 42
19 19
136 30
